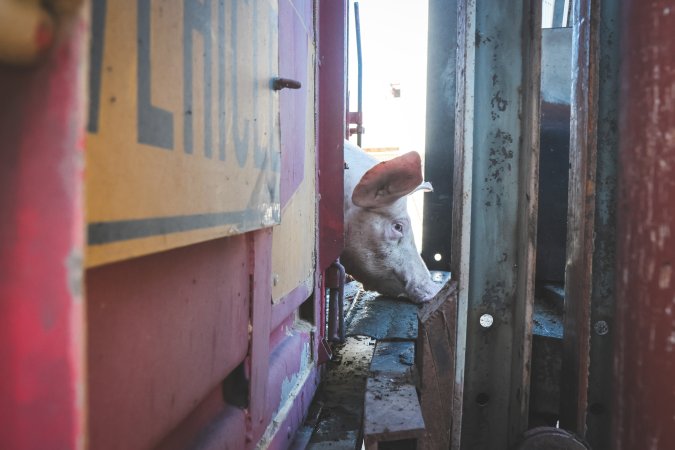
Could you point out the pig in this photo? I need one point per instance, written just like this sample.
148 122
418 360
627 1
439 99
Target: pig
380 250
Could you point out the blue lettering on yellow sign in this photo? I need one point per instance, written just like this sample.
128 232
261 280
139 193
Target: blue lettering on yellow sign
155 126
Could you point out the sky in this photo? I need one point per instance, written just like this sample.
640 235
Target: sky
394 48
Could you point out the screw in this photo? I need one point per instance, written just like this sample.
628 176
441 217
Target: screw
601 328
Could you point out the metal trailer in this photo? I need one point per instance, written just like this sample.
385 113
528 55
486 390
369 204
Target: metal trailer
169 209
172 209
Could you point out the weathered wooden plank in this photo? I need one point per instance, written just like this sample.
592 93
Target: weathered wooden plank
435 363
383 318
393 360
341 396
391 413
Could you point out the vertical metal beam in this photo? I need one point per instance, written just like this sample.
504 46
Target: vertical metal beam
440 130
580 217
42 371
645 338
604 253
462 196
260 262
331 95
503 220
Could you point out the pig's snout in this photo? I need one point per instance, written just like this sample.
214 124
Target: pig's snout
420 289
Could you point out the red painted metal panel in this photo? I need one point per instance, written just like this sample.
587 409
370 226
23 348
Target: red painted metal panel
644 366
212 425
260 259
164 331
332 99
41 237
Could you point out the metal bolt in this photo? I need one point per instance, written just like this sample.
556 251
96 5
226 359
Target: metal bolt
601 328
486 320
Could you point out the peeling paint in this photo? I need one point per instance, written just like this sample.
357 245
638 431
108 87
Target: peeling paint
75 273
291 388
665 276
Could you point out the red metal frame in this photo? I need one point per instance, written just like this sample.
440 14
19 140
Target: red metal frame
332 115
644 364
42 375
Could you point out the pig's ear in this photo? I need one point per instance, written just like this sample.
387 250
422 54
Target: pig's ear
388 181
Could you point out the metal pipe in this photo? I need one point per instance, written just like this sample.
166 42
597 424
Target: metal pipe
335 283
357 25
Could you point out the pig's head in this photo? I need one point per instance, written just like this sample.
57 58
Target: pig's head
380 249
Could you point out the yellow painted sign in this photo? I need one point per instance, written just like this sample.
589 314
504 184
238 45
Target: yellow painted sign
183 128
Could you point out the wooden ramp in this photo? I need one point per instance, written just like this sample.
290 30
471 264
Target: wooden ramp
402 358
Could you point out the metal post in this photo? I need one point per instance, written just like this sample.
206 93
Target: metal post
440 132
504 83
644 365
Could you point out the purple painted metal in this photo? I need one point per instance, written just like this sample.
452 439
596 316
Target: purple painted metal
289 304
41 239
293 64
644 364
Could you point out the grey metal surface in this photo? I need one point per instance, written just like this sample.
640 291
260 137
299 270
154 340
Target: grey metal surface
503 221
554 155
440 132
604 254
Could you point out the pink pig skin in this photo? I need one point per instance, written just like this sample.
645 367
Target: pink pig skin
380 251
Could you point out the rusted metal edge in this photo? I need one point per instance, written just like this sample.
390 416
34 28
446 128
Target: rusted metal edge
580 217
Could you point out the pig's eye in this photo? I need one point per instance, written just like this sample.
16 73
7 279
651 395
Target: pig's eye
398 227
